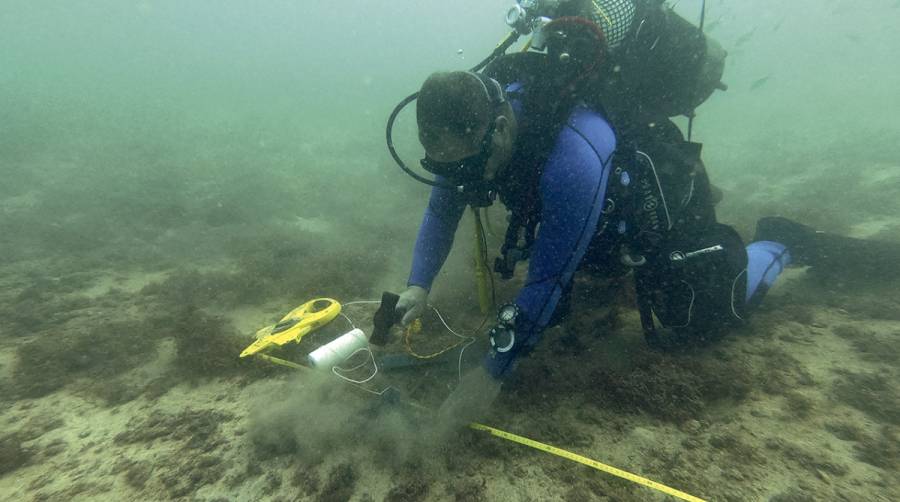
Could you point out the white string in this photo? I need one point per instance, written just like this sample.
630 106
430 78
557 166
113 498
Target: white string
334 369
358 366
436 311
352 326
690 307
377 393
459 364
471 340
357 302
733 286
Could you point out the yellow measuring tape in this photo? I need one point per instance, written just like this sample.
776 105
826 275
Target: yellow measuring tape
586 461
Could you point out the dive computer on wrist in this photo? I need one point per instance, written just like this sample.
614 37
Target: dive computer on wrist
503 335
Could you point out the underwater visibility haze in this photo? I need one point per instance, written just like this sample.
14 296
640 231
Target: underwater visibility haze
176 176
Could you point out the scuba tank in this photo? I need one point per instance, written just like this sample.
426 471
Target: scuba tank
659 64
665 67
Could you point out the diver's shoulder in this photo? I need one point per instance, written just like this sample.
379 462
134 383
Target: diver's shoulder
585 116
591 126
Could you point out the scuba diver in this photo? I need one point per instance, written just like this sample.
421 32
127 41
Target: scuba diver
592 202
583 195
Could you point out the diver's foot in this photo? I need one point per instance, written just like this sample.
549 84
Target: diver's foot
715 194
798 238
831 254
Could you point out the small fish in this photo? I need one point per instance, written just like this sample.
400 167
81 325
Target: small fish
713 25
759 82
743 39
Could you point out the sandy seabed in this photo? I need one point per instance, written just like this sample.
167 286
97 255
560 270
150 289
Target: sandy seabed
801 404
119 378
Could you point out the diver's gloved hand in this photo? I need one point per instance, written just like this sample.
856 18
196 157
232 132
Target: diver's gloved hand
411 304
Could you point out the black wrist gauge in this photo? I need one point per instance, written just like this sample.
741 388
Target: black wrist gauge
502 338
503 335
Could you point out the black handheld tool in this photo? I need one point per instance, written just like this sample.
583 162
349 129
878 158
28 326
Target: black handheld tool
384 318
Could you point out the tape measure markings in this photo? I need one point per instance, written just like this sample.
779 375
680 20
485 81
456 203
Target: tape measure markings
587 461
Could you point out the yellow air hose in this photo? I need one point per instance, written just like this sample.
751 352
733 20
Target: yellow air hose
482 273
415 327
600 11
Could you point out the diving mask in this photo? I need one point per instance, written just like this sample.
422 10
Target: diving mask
466 170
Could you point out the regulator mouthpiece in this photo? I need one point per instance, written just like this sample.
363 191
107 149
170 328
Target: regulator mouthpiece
530 16
517 19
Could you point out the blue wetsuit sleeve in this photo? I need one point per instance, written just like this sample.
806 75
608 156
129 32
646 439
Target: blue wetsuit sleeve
573 189
435 239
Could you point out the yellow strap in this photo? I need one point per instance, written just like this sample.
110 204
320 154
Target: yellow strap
485 302
602 13
416 327
586 461
282 362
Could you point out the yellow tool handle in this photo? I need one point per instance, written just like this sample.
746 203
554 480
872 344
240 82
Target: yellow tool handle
586 461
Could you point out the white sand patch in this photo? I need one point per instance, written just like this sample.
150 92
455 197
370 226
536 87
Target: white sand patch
869 228
18 203
312 225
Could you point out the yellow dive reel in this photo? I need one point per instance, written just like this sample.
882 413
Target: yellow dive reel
292 328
